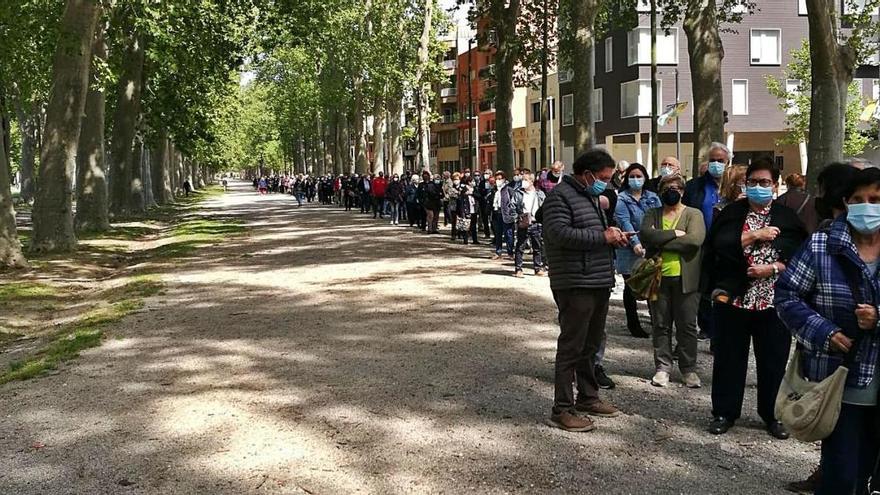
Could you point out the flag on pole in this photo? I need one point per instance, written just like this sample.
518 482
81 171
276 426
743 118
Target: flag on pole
672 111
871 111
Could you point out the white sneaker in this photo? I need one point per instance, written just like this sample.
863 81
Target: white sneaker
661 379
691 380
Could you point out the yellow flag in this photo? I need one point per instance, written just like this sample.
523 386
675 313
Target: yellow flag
872 111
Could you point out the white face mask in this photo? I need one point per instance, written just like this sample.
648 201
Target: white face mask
526 184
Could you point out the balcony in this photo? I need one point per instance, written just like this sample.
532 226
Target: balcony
448 92
450 64
487 138
487 72
487 106
449 119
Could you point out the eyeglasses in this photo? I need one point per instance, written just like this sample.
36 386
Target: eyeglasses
759 182
667 164
672 188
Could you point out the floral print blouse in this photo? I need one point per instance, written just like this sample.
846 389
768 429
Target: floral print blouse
759 295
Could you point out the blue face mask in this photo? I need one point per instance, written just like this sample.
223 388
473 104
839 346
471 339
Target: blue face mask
716 169
636 184
664 171
864 217
598 186
759 195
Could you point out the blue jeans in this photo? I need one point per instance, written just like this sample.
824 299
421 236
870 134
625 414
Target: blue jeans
395 211
503 233
849 454
299 197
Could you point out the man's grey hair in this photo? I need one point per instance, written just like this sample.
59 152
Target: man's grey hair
720 146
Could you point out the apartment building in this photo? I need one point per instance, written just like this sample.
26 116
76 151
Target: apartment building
527 139
759 46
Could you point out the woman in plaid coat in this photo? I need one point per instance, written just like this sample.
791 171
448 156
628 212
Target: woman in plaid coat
828 298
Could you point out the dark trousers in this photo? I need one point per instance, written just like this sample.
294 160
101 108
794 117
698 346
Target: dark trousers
706 317
535 234
485 211
432 217
366 201
453 219
850 453
631 306
735 328
582 314
349 201
412 214
378 207
503 233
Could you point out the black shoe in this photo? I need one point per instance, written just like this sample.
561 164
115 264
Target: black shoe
638 332
602 379
777 430
720 425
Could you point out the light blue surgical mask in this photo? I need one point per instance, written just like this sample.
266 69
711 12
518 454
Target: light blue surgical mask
598 186
759 195
636 183
664 171
864 217
716 169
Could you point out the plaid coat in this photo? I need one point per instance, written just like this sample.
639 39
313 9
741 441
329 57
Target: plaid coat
814 300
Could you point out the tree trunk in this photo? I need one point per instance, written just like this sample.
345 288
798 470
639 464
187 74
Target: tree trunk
147 175
29 129
362 164
505 61
163 192
424 131
395 105
10 247
545 108
832 69
579 45
137 200
378 137
705 55
92 213
53 205
123 181
341 148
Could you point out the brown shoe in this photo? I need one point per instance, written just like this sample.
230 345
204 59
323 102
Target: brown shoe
808 485
495 257
570 422
541 273
598 408
518 274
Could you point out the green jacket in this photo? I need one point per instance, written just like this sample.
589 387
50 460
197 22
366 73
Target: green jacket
689 246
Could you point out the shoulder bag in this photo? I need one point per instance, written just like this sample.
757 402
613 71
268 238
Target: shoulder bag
647 273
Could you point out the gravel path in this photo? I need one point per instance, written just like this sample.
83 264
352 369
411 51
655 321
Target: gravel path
330 353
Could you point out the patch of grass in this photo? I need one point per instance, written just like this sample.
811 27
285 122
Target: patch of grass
210 227
87 331
128 233
14 292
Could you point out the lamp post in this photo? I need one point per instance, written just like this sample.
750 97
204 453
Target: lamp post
551 103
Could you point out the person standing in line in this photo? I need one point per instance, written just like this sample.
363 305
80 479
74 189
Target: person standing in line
798 199
749 245
364 187
677 232
632 204
377 189
702 193
503 216
412 202
394 196
466 213
528 227
828 299
432 201
451 189
668 166
483 194
550 178
579 246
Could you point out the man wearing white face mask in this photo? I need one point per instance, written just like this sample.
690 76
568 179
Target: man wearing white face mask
702 192
668 166
527 226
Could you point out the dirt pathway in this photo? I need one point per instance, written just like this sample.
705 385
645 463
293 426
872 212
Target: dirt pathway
330 353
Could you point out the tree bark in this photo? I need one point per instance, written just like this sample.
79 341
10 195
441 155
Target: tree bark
378 137
162 190
123 181
137 200
706 53
10 247
395 105
424 131
53 205
832 67
92 213
362 164
506 58
29 130
580 44
147 175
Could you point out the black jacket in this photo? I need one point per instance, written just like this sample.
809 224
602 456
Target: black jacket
724 262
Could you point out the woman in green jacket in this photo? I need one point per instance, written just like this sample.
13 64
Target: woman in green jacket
676 232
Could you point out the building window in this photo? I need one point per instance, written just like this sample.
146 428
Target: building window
639 46
802 7
536 111
876 90
635 98
609 54
740 96
567 110
533 153
598 105
792 86
766 46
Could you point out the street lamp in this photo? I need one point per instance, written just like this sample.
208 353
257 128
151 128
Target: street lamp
551 103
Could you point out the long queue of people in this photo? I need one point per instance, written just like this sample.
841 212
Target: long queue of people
740 265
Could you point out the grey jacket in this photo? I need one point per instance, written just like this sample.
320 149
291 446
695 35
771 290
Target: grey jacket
574 235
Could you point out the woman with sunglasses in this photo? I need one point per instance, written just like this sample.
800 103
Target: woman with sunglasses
749 245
